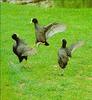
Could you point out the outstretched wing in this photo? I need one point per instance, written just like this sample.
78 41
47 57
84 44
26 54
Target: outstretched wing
29 52
25 50
54 28
73 47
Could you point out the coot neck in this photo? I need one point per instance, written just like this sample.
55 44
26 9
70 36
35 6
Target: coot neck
36 25
17 40
64 44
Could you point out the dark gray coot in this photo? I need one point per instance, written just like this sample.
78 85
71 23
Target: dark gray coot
21 49
42 33
64 53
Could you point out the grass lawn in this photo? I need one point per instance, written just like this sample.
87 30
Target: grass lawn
39 79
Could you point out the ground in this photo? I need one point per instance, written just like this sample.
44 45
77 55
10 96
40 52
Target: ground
40 78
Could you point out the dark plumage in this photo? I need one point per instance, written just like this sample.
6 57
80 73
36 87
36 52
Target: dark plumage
21 49
44 32
65 52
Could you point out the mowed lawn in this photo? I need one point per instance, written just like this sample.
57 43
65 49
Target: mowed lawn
40 78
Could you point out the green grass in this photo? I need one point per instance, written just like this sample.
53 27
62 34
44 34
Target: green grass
39 79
